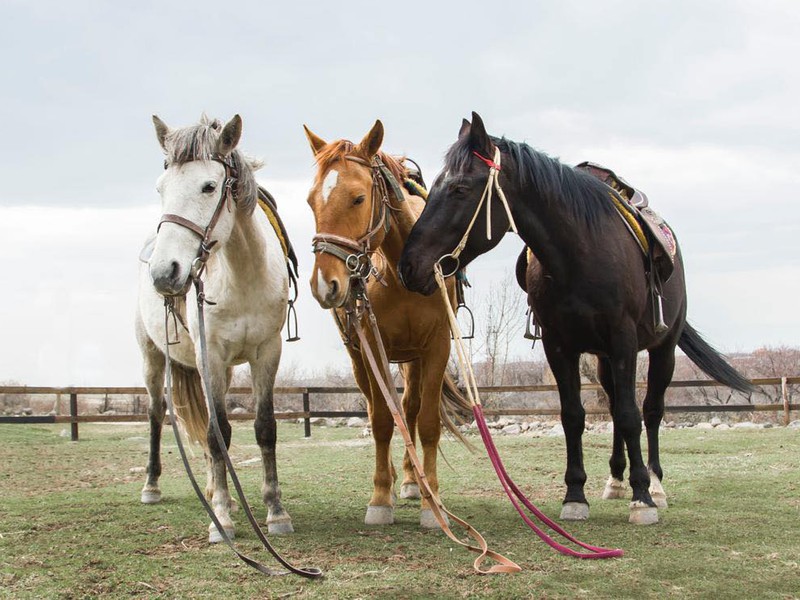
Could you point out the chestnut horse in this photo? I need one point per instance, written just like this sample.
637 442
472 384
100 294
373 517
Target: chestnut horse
361 216
587 287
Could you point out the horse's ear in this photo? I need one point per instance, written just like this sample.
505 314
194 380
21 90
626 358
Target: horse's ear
478 138
371 143
161 131
465 127
230 136
316 142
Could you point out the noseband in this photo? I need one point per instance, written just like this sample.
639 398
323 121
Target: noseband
355 253
206 243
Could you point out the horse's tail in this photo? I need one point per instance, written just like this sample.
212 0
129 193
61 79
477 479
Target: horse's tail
454 410
189 402
711 362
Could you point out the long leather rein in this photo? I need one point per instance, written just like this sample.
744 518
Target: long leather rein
198 267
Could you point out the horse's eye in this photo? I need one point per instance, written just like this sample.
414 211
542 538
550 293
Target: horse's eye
359 200
209 187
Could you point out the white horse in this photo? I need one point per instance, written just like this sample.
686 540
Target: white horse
209 185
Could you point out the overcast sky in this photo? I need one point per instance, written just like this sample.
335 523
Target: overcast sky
694 102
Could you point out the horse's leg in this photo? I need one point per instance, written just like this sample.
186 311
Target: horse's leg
411 403
628 420
263 371
573 418
220 496
154 366
616 487
429 424
380 510
659 374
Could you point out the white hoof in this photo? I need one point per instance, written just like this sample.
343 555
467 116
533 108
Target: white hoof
214 536
151 496
616 489
657 491
642 514
574 511
427 520
410 491
379 515
280 526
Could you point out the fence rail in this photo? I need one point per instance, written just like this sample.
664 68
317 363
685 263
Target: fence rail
307 414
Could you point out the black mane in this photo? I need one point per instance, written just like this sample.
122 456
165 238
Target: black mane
585 197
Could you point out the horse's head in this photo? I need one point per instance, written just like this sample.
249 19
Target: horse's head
450 209
204 175
350 215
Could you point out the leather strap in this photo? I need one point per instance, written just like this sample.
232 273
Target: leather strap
504 565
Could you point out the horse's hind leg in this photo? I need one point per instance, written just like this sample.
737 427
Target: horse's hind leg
411 403
659 374
154 366
263 374
616 488
573 418
628 420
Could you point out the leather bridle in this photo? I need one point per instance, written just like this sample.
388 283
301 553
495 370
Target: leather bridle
356 252
227 196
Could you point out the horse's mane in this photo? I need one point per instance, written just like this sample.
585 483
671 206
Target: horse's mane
338 150
199 142
585 197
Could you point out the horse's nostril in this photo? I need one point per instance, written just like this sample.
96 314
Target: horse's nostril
176 269
334 289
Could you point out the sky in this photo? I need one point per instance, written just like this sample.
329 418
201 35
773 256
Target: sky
694 102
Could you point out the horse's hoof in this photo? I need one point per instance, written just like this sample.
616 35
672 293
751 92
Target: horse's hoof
615 489
410 491
427 520
151 496
280 526
574 511
379 515
642 514
215 537
657 491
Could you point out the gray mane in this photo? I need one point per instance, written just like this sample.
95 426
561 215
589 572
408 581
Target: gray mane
199 142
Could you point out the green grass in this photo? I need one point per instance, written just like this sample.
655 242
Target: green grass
71 525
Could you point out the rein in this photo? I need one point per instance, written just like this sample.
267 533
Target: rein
468 376
198 267
358 307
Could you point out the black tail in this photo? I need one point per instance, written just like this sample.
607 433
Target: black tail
711 362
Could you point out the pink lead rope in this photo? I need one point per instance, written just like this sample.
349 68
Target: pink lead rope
516 496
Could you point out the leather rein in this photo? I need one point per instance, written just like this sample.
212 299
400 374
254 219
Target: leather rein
198 267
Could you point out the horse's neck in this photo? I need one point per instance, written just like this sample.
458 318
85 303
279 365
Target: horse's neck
556 240
402 220
240 260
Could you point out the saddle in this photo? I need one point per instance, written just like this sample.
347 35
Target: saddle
652 233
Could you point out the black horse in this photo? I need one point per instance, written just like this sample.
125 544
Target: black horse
587 287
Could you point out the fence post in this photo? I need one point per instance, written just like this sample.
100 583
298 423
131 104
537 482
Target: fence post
73 413
785 395
307 410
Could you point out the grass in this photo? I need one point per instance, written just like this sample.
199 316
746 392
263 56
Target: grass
71 525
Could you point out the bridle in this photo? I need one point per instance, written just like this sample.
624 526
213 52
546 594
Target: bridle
356 252
198 267
227 197
492 185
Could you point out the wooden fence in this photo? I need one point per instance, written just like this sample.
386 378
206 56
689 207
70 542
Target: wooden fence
73 418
